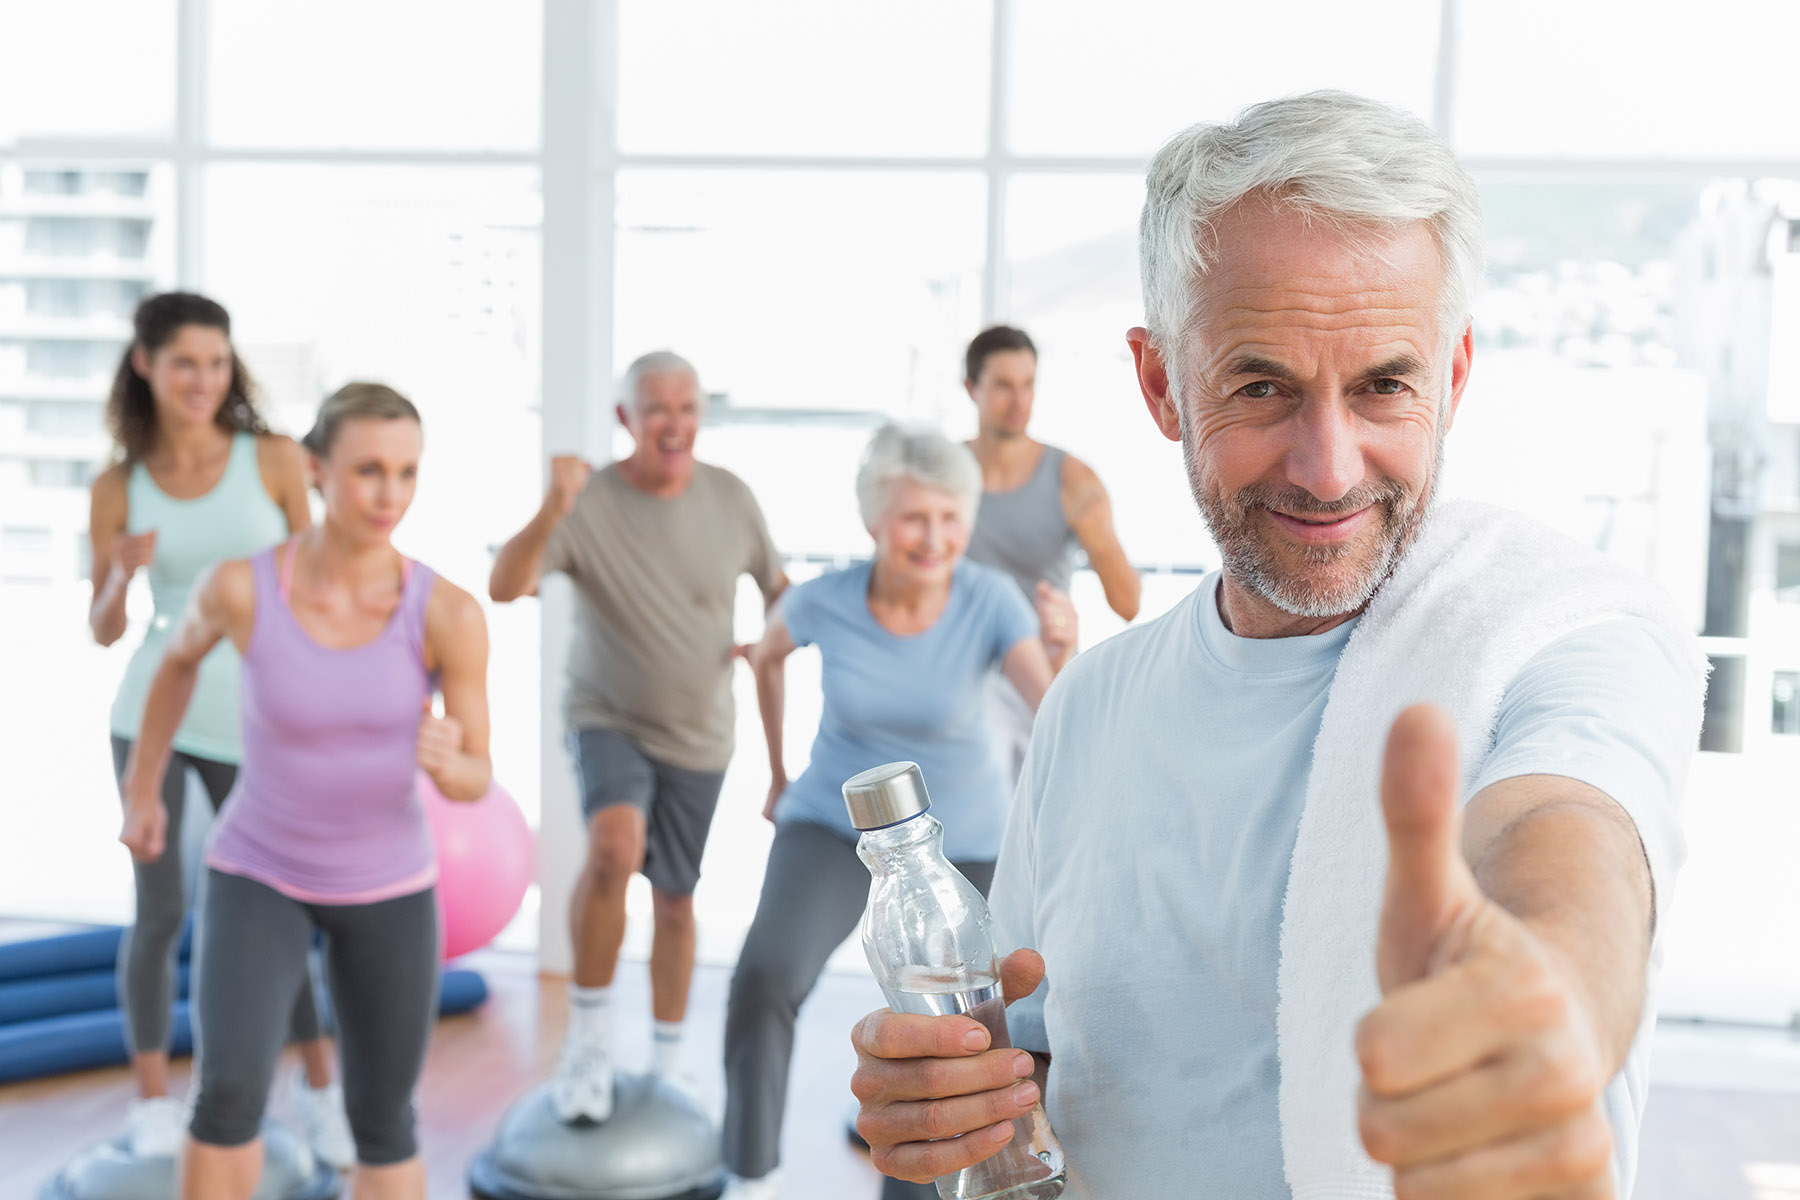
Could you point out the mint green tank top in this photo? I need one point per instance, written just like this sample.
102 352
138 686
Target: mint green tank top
234 520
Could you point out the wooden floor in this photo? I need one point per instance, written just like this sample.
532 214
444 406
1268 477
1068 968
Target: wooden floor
1713 1144
479 1063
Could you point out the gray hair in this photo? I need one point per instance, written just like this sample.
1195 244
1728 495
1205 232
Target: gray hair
1338 158
924 456
657 362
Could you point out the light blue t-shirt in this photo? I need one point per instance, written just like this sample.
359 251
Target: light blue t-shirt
921 697
1148 854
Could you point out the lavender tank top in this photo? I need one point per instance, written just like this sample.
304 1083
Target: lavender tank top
325 809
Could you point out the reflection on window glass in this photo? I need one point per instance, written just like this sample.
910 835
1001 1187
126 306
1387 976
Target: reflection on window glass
1588 324
1584 270
87 68
1786 707
1611 80
410 74
78 246
804 77
1121 78
1787 572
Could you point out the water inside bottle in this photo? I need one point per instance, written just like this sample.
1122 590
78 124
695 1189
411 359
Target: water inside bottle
1030 1167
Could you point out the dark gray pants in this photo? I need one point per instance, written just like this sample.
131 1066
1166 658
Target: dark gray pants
382 964
813 895
147 951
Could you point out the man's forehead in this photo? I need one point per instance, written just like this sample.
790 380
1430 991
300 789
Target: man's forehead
1259 247
1278 275
670 386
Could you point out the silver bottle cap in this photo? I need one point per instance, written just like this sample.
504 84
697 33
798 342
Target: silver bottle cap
886 795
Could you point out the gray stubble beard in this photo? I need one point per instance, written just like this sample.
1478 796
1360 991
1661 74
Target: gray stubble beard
1256 567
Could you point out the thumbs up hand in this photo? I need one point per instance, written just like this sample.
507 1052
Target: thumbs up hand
1483 1073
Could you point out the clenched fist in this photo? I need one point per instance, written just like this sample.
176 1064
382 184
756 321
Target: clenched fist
440 744
1057 627
145 829
133 551
569 474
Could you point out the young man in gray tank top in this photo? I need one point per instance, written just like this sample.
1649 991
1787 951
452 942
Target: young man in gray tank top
654 545
1039 504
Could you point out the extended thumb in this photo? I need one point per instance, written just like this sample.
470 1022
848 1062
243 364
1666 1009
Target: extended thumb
1429 885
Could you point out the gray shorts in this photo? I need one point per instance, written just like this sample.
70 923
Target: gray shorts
677 803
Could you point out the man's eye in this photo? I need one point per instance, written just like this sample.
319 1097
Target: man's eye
1262 389
1388 387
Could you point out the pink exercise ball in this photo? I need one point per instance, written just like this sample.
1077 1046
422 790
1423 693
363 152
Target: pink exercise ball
485 861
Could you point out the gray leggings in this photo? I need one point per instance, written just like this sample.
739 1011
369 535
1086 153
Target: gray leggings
814 892
382 964
147 951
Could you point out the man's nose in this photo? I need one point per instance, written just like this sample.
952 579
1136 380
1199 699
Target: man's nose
1326 457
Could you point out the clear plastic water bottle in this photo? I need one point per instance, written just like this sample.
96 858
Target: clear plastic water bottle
930 942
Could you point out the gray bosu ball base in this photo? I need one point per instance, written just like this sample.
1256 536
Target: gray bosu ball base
110 1171
657 1145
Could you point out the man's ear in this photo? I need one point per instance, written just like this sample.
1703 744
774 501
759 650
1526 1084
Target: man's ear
1153 382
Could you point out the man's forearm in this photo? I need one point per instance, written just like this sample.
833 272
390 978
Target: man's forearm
516 565
1571 867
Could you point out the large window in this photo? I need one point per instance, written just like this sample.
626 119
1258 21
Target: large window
819 203
366 206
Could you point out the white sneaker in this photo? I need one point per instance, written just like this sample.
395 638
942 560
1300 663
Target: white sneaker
766 1188
322 1121
582 1088
155 1127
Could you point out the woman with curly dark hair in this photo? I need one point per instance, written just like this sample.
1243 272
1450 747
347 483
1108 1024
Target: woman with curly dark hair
199 478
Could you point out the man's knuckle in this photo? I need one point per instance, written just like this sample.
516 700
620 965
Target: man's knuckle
1580 1149
873 1126
1376 1053
937 1078
1380 1136
1414 1185
865 1083
939 1121
1573 1085
1539 999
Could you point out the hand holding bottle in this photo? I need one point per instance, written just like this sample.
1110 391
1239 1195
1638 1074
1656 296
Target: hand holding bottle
936 1096
945 1094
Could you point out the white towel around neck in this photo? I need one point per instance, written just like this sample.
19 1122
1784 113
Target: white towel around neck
1479 593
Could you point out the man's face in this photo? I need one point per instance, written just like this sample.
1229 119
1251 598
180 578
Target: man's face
1315 398
1004 391
664 420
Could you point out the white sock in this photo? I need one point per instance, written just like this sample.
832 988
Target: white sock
762 1188
590 1013
666 1046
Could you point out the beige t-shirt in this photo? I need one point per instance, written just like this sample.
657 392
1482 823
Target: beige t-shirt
657 585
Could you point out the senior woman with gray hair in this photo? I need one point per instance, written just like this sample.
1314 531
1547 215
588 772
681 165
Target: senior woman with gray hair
907 640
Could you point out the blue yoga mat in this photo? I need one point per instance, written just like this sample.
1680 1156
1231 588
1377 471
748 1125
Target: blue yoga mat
78 1042
69 953
68 995
82 1041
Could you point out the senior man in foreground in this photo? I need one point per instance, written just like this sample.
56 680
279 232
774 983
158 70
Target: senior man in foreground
1231 1002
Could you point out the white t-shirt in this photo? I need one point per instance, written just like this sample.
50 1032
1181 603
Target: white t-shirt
1147 857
